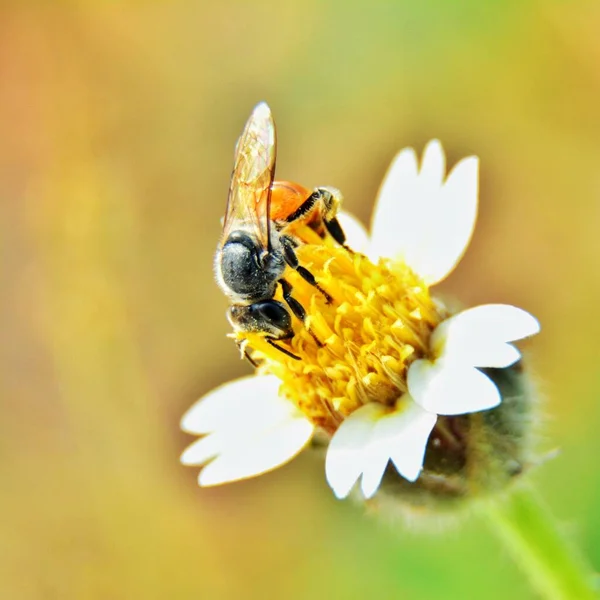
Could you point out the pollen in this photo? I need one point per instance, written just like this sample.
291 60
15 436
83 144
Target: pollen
356 348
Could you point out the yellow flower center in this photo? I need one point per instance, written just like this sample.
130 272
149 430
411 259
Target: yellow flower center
357 348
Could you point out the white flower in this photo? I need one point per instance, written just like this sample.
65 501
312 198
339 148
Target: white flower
424 221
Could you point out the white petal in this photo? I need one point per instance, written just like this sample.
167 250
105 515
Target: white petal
370 437
250 429
450 388
501 321
345 458
229 437
421 220
389 224
454 222
266 451
202 450
375 459
413 427
248 398
374 470
433 165
479 336
402 437
357 237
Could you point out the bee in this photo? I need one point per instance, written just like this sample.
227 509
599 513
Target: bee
260 236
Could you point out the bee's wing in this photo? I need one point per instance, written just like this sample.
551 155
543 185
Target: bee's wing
249 198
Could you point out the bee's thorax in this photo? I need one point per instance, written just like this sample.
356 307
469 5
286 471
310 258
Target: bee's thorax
245 271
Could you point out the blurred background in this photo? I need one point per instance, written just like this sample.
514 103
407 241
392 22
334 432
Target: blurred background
117 127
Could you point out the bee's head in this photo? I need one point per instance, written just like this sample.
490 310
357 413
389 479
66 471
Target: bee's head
266 316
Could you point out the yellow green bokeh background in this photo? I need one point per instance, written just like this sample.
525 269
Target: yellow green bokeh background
117 126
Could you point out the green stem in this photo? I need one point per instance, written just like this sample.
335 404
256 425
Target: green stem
553 565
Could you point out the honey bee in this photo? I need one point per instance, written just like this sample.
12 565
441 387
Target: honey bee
258 240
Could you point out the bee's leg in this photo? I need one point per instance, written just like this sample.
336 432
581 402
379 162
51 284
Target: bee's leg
329 200
288 244
252 362
296 307
304 208
336 232
271 342
242 344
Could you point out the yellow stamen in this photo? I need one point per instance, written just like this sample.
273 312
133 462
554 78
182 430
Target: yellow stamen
378 323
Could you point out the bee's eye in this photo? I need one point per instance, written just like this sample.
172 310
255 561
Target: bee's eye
267 316
274 312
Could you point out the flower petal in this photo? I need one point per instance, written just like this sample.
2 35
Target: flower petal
202 450
249 399
356 233
251 430
229 437
402 437
264 452
371 436
446 388
479 336
373 472
421 220
413 427
374 466
433 165
345 460
389 224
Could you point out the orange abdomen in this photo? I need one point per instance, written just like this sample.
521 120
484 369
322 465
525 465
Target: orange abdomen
286 198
